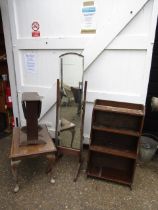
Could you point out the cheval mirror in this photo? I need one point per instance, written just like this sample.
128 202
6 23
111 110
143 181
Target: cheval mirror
70 109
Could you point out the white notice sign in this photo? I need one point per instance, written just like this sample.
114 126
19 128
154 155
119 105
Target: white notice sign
30 62
88 19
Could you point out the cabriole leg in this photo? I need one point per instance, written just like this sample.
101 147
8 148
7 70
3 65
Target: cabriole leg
14 166
51 160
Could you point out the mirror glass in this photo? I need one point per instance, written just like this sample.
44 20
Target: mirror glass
71 88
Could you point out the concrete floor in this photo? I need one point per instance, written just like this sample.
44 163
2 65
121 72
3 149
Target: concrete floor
86 194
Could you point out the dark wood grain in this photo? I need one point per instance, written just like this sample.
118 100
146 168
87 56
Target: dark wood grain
18 151
119 110
114 151
115 131
118 131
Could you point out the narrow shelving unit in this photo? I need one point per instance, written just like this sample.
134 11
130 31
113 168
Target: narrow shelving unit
115 132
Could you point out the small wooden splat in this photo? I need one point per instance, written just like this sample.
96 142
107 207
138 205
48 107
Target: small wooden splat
31 104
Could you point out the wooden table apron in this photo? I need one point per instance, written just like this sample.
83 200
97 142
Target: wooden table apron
19 152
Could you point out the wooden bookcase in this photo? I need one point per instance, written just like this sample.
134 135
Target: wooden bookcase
115 131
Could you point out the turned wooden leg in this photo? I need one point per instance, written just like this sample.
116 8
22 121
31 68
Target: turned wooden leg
51 160
14 166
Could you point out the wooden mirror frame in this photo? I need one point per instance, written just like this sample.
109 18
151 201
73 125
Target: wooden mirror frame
70 150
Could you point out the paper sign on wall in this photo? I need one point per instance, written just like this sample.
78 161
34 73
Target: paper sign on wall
88 17
30 62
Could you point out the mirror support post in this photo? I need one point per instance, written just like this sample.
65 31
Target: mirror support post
81 131
82 118
57 113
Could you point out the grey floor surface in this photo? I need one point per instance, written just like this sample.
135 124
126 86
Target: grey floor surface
36 192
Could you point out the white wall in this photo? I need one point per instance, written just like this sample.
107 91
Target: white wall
117 57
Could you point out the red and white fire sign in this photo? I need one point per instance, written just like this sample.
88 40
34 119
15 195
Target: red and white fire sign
35 28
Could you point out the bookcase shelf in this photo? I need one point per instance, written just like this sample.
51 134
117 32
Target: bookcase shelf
115 131
114 151
118 131
110 174
119 110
